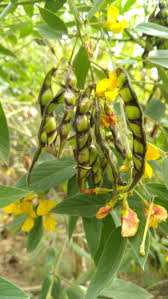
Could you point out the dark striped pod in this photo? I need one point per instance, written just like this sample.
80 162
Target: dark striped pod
116 179
47 131
64 127
96 170
135 119
104 163
116 135
83 137
46 93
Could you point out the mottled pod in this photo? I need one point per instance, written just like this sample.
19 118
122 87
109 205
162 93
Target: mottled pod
46 93
135 119
64 127
83 137
96 170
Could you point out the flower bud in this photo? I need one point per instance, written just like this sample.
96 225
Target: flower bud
129 223
104 211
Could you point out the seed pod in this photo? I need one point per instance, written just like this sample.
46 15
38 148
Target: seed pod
96 171
47 131
135 119
64 127
46 93
116 136
83 137
106 151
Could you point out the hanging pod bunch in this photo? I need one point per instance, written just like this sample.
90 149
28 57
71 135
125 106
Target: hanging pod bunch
83 137
96 169
69 103
48 127
135 119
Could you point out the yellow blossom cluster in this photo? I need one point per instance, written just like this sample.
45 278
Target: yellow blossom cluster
112 24
107 87
32 207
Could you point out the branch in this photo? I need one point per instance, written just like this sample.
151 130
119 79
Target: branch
23 3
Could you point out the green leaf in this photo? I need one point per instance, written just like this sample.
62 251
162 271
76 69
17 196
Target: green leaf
108 226
121 289
153 29
55 293
54 5
49 174
4 137
85 205
74 293
93 229
96 6
9 290
157 190
165 171
35 234
29 9
80 251
47 32
108 264
159 57
53 21
128 5
73 188
136 204
9 195
6 52
81 63
155 109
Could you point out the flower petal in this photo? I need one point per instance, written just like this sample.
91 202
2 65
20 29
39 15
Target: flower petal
112 14
103 86
14 208
111 95
45 206
27 209
28 224
158 214
49 223
103 212
129 224
152 152
116 27
148 171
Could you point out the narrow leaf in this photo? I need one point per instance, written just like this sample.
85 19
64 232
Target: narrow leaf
108 265
81 205
93 229
153 29
49 174
159 57
4 137
81 63
35 235
121 289
165 171
157 190
53 21
96 6
6 52
73 188
9 195
9 290
54 5
155 109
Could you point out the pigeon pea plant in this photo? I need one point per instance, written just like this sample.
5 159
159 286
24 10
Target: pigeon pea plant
104 128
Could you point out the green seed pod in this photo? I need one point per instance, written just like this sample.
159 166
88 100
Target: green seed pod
96 173
46 93
135 119
106 151
83 138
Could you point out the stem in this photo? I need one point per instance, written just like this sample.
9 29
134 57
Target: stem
108 46
55 270
23 3
142 247
77 20
70 60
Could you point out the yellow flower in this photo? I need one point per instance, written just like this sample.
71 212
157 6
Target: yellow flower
107 87
103 211
28 224
158 214
151 154
14 208
43 210
129 223
112 24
